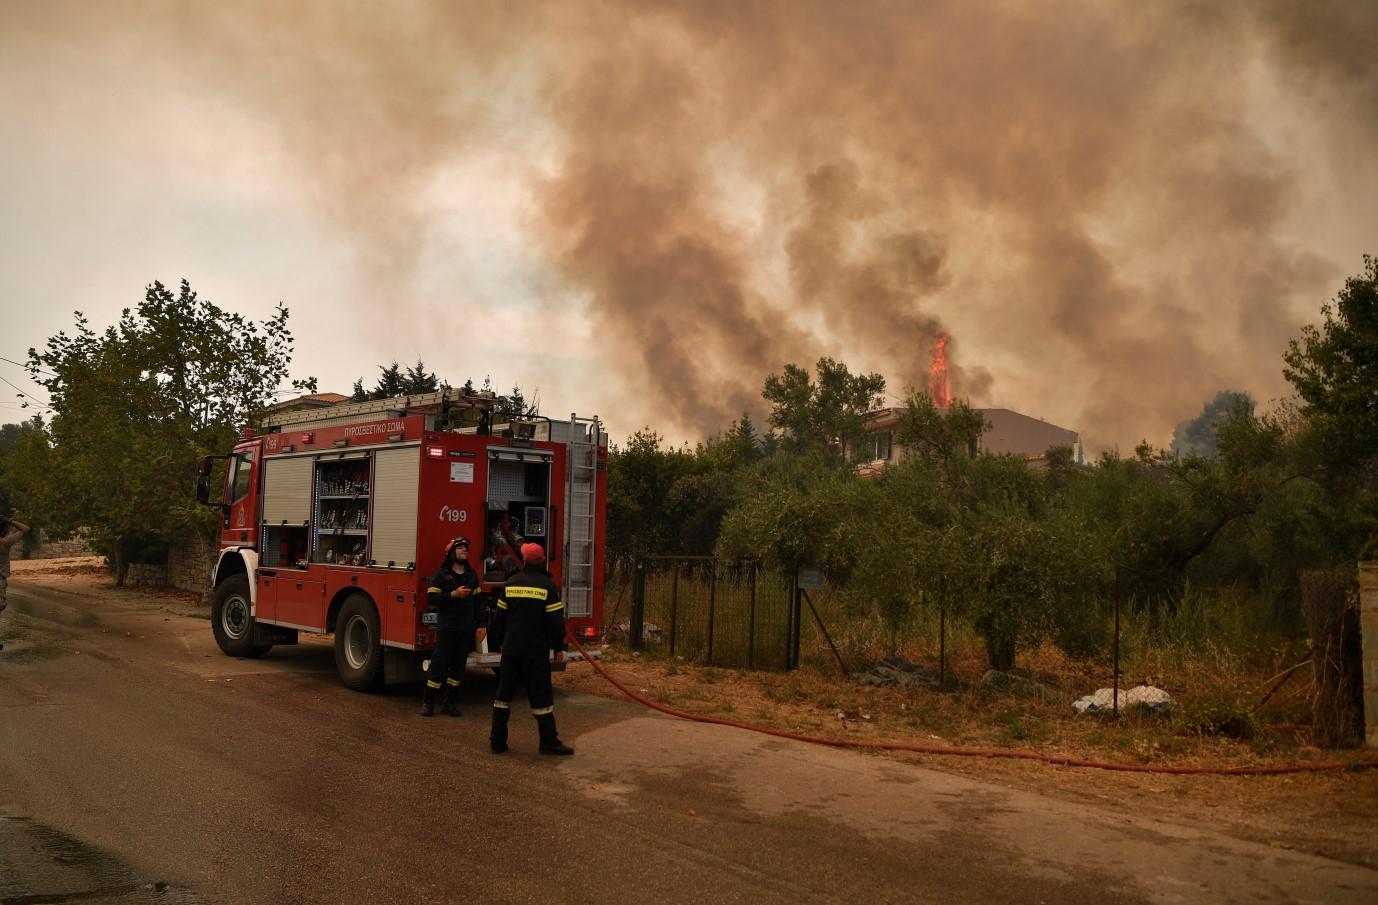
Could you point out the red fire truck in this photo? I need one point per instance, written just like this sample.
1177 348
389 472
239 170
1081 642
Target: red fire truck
334 519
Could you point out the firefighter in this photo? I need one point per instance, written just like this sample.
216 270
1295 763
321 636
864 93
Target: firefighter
529 625
454 593
11 530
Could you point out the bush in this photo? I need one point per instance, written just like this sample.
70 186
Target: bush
1220 713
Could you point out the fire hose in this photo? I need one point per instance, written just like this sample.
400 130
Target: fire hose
958 751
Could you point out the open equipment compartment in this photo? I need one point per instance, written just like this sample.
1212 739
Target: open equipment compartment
342 509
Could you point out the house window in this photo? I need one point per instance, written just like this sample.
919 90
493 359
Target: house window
873 447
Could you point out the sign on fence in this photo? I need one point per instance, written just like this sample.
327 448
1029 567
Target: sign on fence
810 579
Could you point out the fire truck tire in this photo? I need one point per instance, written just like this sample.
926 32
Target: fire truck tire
359 644
232 619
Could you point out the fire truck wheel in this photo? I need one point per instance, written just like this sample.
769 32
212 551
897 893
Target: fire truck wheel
359 644
232 619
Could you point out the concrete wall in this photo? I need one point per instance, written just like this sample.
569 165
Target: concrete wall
1368 621
1011 432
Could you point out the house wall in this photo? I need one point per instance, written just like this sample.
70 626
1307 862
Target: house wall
1010 432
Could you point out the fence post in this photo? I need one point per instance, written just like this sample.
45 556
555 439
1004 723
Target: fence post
751 625
638 618
942 631
795 614
1115 679
674 608
942 647
824 629
712 605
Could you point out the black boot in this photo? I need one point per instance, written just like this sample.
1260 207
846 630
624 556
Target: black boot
550 739
449 704
497 737
428 701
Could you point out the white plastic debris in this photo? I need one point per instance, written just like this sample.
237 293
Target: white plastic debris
1141 695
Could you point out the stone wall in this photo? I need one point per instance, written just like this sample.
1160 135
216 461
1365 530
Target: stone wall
1368 615
145 575
190 562
56 549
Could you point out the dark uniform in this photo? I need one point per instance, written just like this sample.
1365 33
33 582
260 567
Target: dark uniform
460 618
530 622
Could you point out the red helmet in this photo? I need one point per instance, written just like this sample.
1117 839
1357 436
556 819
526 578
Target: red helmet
532 553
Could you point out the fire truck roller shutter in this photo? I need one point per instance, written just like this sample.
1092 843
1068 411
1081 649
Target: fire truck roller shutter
287 489
396 479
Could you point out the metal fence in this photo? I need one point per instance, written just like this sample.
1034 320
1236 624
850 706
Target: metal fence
714 612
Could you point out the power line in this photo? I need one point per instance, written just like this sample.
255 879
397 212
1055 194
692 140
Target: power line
17 389
24 366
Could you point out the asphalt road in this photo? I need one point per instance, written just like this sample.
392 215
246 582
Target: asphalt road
138 764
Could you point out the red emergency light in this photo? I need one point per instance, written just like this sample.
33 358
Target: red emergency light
307 438
435 452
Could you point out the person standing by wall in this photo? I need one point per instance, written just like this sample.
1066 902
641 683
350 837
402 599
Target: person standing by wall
11 530
529 625
454 593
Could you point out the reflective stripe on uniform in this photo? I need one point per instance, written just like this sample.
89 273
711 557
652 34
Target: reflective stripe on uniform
554 607
501 705
530 593
502 604
451 681
431 683
542 711
433 590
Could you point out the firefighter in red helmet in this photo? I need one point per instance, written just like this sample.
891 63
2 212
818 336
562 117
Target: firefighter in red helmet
529 624
453 593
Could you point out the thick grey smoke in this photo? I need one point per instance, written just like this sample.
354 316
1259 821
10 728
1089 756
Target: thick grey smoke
1095 200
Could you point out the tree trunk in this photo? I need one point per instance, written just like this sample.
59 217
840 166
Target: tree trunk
1330 602
1000 651
120 563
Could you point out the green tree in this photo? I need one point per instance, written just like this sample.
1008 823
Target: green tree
930 432
640 476
133 409
821 416
391 382
417 380
1334 370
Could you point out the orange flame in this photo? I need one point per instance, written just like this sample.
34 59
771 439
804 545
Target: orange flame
939 387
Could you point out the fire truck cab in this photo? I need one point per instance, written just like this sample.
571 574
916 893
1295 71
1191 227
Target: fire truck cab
334 520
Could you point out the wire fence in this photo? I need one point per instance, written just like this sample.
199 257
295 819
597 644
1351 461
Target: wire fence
708 610
738 615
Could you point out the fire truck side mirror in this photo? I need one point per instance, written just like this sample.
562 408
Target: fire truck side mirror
203 481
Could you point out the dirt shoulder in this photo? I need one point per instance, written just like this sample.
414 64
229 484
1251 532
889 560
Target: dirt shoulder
1334 815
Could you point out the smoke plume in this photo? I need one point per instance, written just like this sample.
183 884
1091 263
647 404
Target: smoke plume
1101 203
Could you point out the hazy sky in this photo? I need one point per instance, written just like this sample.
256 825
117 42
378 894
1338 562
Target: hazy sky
640 210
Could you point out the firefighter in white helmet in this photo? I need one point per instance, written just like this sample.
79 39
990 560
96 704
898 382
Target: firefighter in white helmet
454 593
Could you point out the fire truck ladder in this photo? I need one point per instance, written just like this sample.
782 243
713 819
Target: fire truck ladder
398 406
581 487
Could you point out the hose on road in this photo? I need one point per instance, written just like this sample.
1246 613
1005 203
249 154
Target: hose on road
956 751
